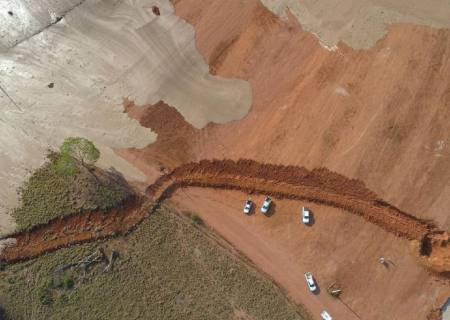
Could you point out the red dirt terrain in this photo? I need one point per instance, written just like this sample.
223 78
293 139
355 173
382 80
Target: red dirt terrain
319 185
379 116
74 229
295 183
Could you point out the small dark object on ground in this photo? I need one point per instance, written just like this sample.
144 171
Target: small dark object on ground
10 13
197 219
156 11
51 85
68 282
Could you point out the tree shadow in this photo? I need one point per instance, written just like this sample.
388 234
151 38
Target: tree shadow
117 177
112 176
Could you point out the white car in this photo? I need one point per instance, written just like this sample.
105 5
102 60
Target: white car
325 315
306 214
248 206
310 281
266 205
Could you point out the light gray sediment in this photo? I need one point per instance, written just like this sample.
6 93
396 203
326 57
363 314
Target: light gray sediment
67 77
360 23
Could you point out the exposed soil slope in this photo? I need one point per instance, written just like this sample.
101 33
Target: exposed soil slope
321 186
74 229
378 115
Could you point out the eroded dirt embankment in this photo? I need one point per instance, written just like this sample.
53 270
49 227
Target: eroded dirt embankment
284 182
74 229
289 182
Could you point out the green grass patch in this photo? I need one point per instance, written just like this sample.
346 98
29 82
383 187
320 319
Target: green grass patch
167 269
50 192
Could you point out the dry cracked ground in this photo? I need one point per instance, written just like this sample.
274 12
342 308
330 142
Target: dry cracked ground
359 87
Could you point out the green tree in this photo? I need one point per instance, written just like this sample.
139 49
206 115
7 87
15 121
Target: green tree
76 150
80 149
65 165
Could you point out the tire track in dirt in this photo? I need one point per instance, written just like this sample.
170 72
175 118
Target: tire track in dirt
284 182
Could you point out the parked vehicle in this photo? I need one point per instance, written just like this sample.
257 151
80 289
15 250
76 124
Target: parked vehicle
325 315
306 215
310 281
266 205
248 206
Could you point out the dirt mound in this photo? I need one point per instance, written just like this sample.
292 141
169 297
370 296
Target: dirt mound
319 185
74 229
285 182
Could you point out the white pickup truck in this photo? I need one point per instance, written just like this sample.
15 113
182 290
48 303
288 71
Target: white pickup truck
306 215
248 206
325 315
266 205
310 281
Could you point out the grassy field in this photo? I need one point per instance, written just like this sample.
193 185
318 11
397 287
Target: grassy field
169 268
48 193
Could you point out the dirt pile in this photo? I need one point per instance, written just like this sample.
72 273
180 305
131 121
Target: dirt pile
319 185
285 182
74 229
436 249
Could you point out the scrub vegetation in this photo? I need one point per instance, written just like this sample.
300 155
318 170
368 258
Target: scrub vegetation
68 182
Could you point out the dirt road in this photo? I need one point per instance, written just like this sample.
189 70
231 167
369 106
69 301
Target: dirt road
338 247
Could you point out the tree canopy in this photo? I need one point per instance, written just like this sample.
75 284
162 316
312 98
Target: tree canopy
81 149
76 150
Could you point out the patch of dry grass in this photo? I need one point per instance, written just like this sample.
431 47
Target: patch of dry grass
169 268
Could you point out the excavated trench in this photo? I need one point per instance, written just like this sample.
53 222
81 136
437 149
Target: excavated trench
283 182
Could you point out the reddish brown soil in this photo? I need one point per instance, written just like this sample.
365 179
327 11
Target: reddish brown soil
337 247
379 116
320 186
156 11
172 146
75 229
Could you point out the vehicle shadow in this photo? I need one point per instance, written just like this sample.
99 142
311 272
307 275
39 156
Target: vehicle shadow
271 211
312 219
317 291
